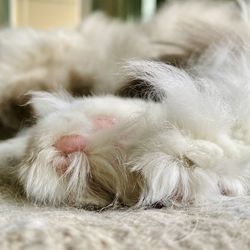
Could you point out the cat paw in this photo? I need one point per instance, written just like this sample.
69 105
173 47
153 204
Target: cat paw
203 153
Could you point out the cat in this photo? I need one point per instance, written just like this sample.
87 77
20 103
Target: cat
86 60
169 135
192 146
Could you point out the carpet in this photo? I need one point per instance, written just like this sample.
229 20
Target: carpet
223 225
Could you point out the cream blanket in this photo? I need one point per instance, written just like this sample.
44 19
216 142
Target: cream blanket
219 226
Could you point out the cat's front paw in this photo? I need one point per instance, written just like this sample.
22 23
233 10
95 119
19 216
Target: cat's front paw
77 151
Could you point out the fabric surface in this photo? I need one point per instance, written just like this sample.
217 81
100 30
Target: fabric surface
224 225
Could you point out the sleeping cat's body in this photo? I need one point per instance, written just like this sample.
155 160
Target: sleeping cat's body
193 146
87 60
186 140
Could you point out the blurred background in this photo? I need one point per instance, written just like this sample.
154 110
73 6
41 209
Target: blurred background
49 14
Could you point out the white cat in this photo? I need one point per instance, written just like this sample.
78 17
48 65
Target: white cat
86 60
192 145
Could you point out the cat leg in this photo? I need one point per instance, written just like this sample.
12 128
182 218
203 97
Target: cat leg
11 154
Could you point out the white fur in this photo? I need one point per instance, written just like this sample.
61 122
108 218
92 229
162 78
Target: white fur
193 146
37 60
105 146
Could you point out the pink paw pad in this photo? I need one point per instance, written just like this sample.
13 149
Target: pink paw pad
61 165
104 122
70 144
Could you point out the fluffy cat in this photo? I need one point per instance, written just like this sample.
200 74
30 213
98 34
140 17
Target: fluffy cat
86 60
185 139
193 146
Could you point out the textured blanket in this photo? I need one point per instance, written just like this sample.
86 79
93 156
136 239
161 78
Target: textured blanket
224 225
